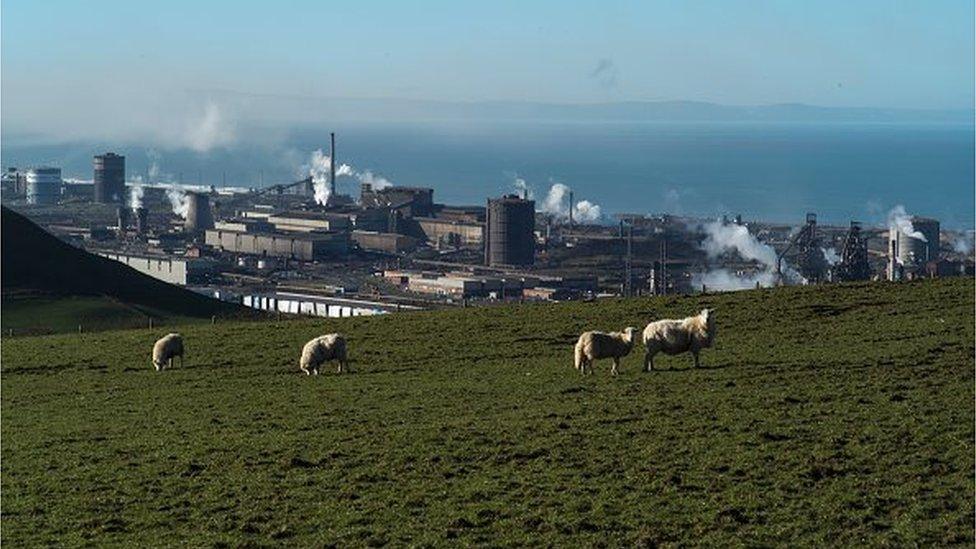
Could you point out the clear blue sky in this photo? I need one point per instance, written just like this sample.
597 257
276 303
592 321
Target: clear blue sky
892 53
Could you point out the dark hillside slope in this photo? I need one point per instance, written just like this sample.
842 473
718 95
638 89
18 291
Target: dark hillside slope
827 416
38 269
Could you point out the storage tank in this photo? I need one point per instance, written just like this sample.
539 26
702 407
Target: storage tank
511 231
198 215
912 250
122 215
43 186
109 178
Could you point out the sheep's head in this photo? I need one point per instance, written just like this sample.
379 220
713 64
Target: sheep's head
631 333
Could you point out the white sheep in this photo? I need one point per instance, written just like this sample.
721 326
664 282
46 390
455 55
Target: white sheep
321 350
674 337
592 346
166 349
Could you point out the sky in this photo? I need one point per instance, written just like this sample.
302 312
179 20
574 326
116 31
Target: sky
72 63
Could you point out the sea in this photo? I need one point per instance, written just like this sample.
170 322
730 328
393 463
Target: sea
773 172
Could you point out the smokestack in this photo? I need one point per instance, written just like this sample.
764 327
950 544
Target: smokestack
142 220
332 166
570 209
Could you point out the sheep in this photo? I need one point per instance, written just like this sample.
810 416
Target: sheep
596 345
321 350
166 349
674 337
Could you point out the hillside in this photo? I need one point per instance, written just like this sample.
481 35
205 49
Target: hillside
49 285
830 415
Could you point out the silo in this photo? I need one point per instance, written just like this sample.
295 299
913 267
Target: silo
43 186
109 178
511 228
198 216
912 250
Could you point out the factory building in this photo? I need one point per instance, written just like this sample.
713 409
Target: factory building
447 232
179 271
908 254
309 221
511 231
109 178
390 243
198 214
413 201
305 246
43 186
14 182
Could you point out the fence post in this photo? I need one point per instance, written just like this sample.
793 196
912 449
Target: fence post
213 319
150 323
79 328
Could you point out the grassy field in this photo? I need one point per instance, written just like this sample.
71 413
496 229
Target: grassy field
835 415
38 315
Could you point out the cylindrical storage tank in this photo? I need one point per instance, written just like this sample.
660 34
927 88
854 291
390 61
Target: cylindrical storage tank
109 178
198 216
43 186
511 231
912 250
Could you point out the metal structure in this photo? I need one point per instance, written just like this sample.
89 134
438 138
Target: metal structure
854 257
142 220
810 259
659 271
198 215
912 251
628 260
304 187
122 216
109 178
511 228
43 186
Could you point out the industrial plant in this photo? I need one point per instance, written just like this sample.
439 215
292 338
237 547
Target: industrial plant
303 247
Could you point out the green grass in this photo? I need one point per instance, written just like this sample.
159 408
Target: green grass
836 415
58 314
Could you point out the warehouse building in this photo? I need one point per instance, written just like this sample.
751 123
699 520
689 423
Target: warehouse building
390 243
305 246
448 232
174 270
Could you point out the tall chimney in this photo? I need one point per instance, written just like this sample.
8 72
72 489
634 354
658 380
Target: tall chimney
332 166
570 209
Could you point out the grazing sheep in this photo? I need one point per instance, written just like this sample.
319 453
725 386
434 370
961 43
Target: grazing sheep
674 337
596 345
166 349
321 350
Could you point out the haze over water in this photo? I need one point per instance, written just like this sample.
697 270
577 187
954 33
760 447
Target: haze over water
768 171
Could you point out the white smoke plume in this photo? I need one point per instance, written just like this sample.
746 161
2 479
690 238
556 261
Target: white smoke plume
587 212
523 189
556 204
963 243
899 220
367 176
721 239
831 256
319 168
723 280
135 196
178 200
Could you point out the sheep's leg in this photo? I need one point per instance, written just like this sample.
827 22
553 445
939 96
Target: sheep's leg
616 365
697 361
648 361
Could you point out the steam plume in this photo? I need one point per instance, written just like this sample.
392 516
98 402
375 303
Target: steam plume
319 168
556 204
831 256
522 189
178 200
721 239
135 196
899 220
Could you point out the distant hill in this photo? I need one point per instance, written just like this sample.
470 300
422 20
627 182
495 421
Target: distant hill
48 285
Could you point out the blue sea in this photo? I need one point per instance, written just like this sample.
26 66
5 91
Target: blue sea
773 171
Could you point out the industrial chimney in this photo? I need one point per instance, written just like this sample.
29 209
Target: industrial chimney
332 166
